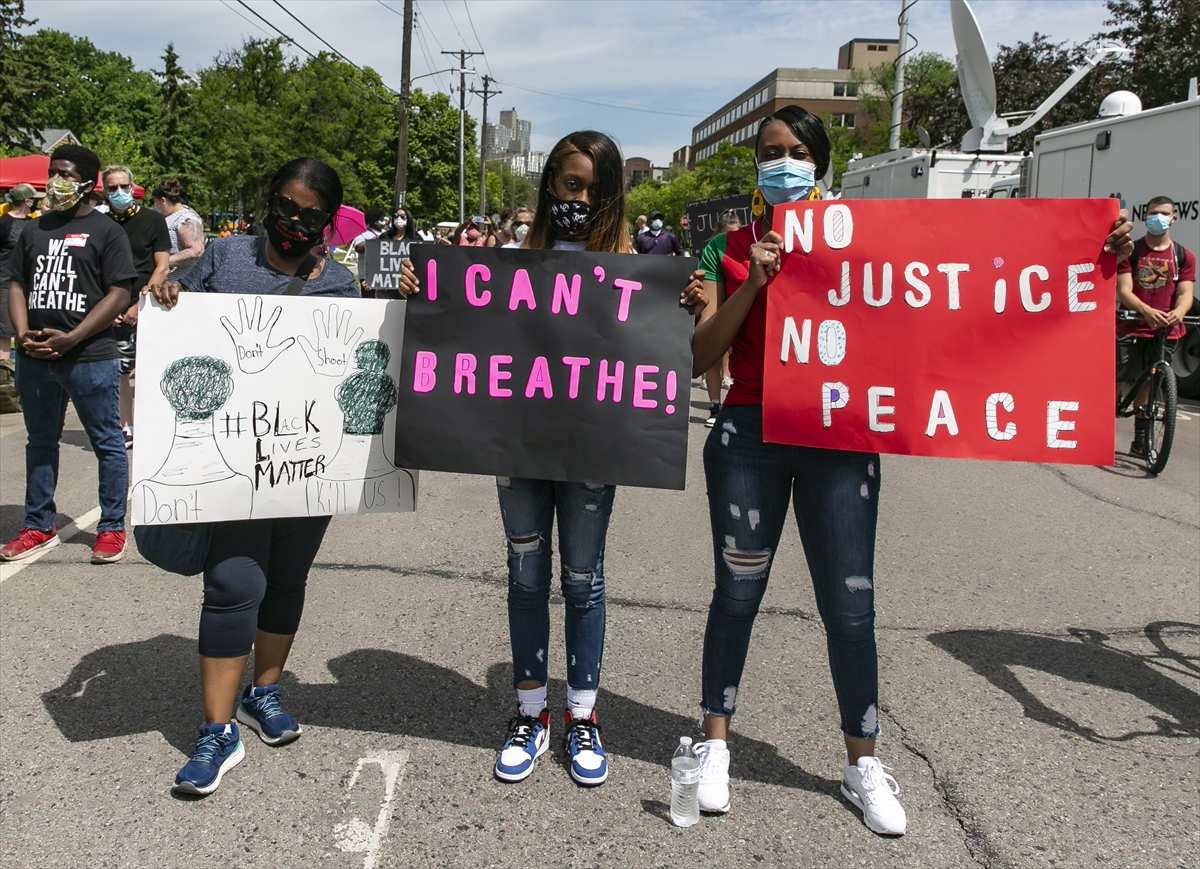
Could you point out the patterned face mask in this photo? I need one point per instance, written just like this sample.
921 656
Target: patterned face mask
62 194
570 217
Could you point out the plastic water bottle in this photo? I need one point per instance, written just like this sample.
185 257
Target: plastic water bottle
685 781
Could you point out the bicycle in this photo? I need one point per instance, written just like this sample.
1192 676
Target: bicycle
1159 409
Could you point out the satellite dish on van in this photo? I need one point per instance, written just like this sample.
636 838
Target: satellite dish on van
978 84
923 137
975 78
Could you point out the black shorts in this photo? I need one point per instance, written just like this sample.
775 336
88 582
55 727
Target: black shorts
126 350
1135 355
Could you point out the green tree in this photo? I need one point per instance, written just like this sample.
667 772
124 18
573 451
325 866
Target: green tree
240 125
173 146
433 158
731 170
21 79
118 144
346 117
84 87
1165 38
931 100
1027 72
507 189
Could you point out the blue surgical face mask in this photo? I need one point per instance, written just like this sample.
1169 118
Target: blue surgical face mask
656 224
1157 224
786 179
120 199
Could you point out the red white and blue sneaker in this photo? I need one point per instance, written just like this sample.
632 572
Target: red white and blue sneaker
528 739
259 710
585 754
218 749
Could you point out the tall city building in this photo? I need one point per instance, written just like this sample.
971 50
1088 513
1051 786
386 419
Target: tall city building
511 140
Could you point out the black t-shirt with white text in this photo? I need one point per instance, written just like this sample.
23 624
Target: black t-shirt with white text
66 265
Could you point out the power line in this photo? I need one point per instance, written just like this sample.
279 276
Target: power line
292 41
249 21
287 38
478 41
318 36
462 40
624 106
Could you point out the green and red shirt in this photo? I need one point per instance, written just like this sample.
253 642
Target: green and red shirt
726 260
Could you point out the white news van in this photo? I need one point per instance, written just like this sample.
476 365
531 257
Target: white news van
927 173
1155 152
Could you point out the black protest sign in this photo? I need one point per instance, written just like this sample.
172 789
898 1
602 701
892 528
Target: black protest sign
553 365
383 259
704 218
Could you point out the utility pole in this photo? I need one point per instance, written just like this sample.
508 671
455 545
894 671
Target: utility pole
405 86
898 96
485 93
463 54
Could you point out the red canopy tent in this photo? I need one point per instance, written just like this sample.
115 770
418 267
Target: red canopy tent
32 169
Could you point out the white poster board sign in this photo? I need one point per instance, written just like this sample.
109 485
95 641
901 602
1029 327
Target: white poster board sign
266 407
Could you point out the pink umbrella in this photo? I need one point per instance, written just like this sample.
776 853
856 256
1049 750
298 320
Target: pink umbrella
347 223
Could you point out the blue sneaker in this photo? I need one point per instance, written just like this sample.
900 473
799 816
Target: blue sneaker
589 765
218 749
528 738
259 710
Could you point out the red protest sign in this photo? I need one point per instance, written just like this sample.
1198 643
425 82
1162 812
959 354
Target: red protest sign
955 328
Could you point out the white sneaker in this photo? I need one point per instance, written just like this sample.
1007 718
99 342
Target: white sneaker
713 793
872 791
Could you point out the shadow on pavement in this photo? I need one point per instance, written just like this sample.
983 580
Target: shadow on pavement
153 685
1086 660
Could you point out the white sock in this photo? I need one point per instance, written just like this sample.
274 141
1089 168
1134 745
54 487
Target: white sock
580 702
532 701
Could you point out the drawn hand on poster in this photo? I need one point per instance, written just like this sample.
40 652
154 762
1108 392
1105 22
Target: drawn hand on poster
330 351
195 473
360 478
252 338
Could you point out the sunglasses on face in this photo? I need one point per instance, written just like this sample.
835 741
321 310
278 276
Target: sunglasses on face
310 218
113 188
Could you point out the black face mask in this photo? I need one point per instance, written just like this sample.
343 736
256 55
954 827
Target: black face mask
289 238
571 218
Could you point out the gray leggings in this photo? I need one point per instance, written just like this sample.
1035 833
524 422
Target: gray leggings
254 579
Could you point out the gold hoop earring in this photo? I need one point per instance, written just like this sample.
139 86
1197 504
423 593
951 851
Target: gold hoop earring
757 204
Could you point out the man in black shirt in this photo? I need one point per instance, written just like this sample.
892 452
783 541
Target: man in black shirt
11 223
150 244
71 273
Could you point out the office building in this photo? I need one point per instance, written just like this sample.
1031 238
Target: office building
825 92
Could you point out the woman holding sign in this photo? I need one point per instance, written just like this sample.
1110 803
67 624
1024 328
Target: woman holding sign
581 206
834 494
256 569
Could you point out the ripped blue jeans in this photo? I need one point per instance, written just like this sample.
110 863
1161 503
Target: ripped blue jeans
527 509
835 496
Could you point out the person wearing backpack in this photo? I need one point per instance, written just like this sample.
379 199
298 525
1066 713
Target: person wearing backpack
1157 282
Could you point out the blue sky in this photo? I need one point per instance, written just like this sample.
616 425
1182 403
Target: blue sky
658 66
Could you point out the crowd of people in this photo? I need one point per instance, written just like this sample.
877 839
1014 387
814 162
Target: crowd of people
69 340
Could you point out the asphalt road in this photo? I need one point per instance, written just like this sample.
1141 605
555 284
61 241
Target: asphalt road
1039 637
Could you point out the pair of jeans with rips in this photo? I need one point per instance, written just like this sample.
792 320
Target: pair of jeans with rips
527 510
45 386
835 497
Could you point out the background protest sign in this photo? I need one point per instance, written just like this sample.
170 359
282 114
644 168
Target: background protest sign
704 217
944 328
549 364
383 259
266 406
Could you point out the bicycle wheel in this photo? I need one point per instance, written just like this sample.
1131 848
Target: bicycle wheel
1160 426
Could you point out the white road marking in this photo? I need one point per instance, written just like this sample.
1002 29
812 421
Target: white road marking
69 531
356 836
